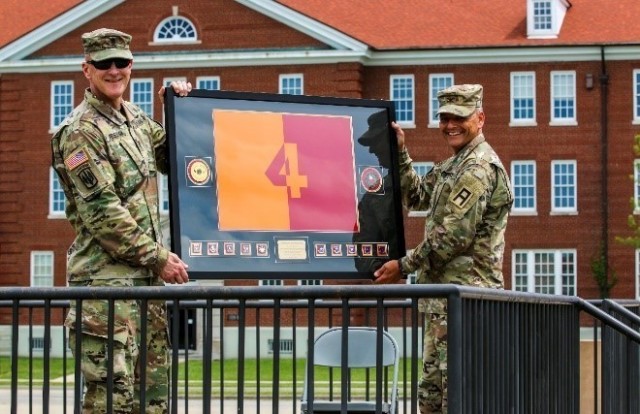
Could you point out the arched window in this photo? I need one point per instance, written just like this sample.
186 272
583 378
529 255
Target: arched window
175 29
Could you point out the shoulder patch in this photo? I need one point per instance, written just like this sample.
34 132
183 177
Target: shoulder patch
84 172
76 159
465 193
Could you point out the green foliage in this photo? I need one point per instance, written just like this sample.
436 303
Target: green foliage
605 277
632 223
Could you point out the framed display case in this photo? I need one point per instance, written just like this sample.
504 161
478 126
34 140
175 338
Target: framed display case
265 186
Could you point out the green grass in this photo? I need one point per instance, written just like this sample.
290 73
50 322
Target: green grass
34 372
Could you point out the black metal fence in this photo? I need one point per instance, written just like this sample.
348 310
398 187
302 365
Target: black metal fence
247 349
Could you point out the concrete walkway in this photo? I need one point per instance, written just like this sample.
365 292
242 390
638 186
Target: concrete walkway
193 406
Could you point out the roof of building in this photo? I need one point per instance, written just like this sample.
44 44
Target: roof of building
19 17
407 24
432 24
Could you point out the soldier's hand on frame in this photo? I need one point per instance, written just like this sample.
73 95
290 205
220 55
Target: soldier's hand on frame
182 88
175 271
389 272
399 135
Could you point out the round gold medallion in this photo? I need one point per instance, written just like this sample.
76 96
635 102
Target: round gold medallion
198 171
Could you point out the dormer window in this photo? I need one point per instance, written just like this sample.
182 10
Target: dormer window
545 17
542 16
175 29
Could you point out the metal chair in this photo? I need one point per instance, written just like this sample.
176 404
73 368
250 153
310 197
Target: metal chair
362 354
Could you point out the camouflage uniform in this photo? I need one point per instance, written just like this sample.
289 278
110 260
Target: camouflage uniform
467 198
107 163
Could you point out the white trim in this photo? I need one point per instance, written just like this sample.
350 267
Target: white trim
304 24
407 76
55 214
635 85
52 96
207 79
174 41
555 210
522 121
572 121
636 186
47 254
313 57
434 122
637 274
134 81
557 267
291 77
57 28
525 210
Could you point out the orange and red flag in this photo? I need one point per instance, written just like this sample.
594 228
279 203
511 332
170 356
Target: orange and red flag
284 172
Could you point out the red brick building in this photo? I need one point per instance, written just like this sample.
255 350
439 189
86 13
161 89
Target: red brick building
562 98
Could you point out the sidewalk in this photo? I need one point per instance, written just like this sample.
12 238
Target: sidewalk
193 406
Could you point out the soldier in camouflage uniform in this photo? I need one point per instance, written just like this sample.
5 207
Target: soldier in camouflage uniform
468 198
107 155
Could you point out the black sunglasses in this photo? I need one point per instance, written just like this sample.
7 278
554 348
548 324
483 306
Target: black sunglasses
106 64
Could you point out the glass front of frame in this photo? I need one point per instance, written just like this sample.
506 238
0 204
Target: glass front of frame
281 186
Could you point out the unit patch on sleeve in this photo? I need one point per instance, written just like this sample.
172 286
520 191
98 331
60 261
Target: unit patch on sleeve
465 193
87 177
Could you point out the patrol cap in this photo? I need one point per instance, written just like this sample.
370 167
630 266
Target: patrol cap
460 100
102 44
377 125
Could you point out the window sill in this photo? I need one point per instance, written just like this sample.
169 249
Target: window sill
563 213
517 124
407 125
523 213
564 123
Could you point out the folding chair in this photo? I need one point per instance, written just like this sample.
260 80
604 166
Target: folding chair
361 355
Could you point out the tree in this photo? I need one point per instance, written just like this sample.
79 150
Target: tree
605 277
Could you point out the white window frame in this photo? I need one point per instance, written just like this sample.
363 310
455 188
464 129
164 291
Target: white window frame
421 168
637 274
200 80
270 282
310 282
568 93
636 186
56 196
523 86
183 31
516 185
41 268
163 194
561 285
545 17
636 96
284 88
437 82
412 278
54 118
146 106
560 209
410 122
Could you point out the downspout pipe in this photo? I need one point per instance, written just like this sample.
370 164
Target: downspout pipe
604 142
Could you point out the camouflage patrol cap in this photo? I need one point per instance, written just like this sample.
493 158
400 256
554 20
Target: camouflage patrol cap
460 100
104 44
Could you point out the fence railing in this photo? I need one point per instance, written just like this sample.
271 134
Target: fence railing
247 349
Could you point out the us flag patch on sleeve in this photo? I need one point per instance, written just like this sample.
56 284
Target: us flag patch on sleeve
76 159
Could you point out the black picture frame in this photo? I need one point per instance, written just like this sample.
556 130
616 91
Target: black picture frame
270 186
